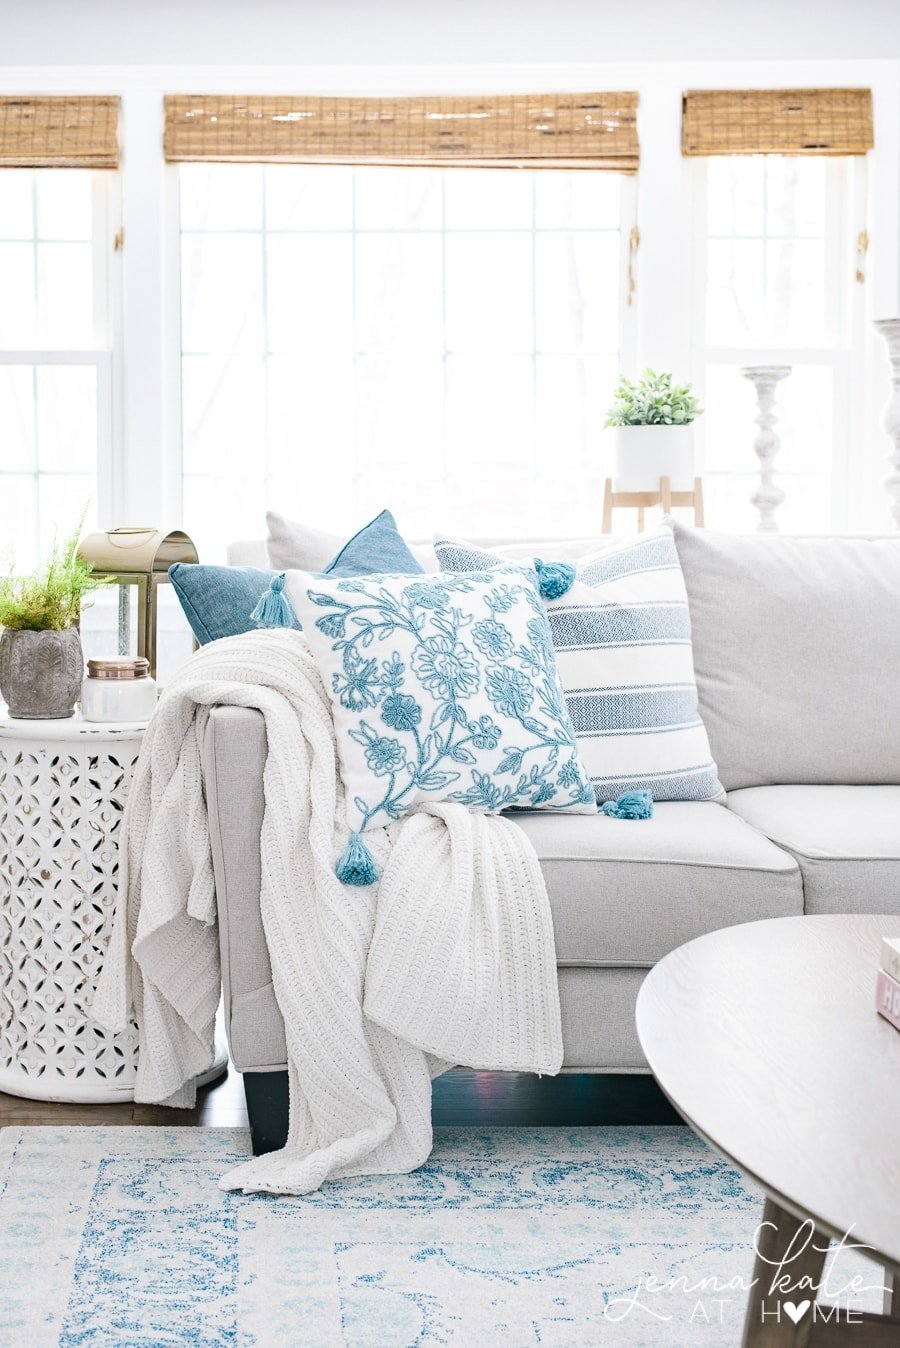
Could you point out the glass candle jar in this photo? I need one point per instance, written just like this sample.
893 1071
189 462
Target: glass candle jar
118 690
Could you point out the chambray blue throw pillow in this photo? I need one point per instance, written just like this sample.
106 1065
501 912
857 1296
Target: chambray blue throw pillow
441 689
378 546
622 636
218 600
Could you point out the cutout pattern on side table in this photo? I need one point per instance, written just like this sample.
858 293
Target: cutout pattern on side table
63 787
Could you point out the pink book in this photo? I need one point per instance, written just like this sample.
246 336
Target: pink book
887 998
890 956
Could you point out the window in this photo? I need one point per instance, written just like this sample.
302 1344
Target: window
54 354
441 341
775 245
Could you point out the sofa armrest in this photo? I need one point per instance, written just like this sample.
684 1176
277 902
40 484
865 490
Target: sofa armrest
234 756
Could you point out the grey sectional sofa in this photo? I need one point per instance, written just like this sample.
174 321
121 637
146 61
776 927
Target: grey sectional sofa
797 654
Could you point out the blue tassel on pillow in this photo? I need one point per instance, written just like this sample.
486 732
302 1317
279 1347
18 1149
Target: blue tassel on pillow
273 610
357 865
554 578
631 805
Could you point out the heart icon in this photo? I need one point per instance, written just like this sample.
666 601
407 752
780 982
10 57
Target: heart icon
796 1312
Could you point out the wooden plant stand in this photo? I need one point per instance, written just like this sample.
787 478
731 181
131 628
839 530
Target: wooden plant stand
640 500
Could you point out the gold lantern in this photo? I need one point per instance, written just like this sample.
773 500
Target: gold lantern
140 557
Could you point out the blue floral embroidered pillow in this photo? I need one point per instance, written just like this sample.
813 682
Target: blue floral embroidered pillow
442 688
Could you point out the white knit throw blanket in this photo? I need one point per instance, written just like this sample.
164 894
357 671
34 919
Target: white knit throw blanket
448 959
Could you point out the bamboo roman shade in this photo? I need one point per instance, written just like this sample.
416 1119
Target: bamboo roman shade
777 121
59 132
513 130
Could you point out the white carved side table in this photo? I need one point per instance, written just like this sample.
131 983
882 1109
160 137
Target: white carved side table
63 786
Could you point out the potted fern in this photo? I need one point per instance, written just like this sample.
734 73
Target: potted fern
41 661
653 420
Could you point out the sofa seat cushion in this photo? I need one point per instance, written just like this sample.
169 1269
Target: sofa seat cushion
596 1008
846 840
626 892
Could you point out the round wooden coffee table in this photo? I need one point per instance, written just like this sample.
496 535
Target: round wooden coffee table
766 1039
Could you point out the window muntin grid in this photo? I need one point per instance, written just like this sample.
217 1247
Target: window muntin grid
54 358
442 342
776 253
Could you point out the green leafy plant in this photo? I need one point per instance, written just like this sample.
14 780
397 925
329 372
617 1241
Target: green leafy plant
52 597
653 400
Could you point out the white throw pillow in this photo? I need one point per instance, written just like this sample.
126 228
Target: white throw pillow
622 636
442 688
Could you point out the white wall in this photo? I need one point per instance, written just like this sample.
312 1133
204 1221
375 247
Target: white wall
448 32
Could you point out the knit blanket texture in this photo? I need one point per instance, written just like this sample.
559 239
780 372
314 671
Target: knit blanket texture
448 958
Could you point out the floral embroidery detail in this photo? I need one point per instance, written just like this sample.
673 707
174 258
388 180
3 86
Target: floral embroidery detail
489 649
492 639
445 667
427 595
392 671
569 773
401 712
540 637
543 792
484 793
356 689
333 625
510 691
485 733
502 599
384 755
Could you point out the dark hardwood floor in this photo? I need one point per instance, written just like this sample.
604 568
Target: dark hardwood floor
461 1099
220 1105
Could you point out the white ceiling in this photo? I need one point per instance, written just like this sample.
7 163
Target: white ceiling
445 32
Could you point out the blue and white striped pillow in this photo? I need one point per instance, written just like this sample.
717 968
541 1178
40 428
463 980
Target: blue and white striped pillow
622 636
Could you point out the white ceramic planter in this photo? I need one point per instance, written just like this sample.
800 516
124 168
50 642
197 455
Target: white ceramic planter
644 454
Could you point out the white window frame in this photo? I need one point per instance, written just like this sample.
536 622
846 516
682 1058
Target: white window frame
846 213
104 354
143 484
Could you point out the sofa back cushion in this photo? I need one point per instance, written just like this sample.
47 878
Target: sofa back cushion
797 653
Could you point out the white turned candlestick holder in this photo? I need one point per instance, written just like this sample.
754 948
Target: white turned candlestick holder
890 417
767 497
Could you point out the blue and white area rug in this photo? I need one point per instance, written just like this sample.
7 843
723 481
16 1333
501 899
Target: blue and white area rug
516 1237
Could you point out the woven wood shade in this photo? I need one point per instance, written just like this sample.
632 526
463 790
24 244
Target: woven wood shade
597 131
59 132
777 121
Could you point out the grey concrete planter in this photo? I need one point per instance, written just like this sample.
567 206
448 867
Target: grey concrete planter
41 673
